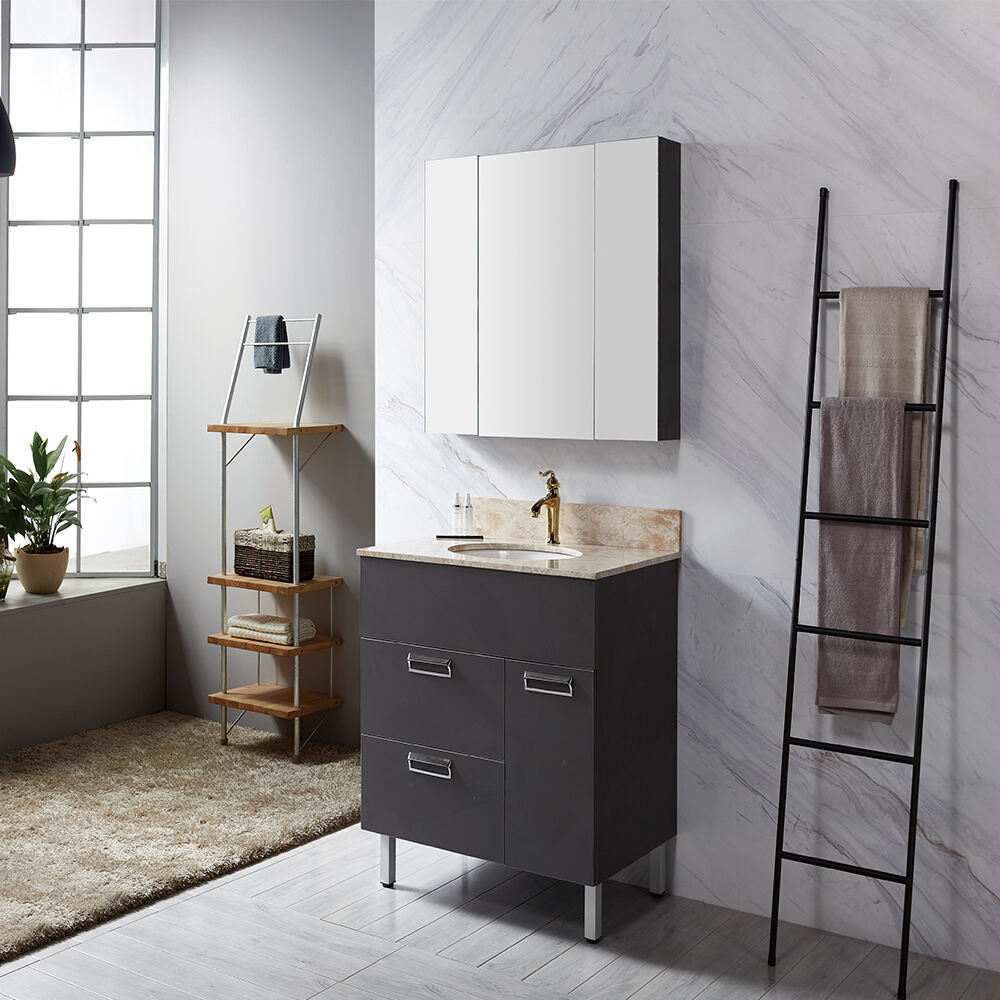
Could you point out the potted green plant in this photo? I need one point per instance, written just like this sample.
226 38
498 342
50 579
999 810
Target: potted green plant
38 508
10 525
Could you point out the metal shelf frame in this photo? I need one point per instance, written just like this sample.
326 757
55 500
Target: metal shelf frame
297 466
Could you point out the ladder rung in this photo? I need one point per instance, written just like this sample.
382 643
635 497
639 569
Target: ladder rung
902 522
896 758
842 633
920 407
833 293
804 859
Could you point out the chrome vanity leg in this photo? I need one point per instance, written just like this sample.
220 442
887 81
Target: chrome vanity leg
387 860
592 900
658 870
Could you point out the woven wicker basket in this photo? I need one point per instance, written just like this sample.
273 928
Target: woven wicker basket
268 554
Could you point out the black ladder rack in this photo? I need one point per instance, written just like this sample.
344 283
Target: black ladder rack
798 628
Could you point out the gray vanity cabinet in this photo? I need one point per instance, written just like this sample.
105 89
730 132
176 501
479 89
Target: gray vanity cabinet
520 717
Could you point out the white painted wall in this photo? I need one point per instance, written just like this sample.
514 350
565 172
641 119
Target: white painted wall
270 210
882 102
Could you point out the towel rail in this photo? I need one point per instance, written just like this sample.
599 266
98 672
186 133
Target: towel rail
797 628
898 522
910 407
833 293
845 748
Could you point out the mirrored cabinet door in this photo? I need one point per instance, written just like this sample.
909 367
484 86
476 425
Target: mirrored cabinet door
451 317
536 304
552 293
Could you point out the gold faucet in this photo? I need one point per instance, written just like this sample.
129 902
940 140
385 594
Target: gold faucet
551 504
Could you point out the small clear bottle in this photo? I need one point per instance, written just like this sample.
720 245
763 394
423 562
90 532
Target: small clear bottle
456 515
468 519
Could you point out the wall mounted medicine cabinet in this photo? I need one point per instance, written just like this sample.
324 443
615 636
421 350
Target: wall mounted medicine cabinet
552 293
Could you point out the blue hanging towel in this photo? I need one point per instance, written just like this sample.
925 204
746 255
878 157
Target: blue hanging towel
273 356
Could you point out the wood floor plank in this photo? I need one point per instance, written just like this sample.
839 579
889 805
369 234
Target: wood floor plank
108 981
822 969
937 978
171 970
877 977
712 955
361 946
395 985
627 910
662 942
409 886
31 984
495 938
223 955
341 991
466 919
750 977
253 934
986 986
481 983
408 919
326 902
312 859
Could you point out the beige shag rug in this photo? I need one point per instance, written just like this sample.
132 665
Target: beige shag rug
101 822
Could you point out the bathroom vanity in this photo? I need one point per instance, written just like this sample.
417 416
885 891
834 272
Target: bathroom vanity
522 711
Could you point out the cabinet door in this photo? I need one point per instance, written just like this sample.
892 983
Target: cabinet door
451 346
549 750
536 294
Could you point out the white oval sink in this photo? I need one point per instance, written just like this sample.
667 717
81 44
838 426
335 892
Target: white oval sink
513 551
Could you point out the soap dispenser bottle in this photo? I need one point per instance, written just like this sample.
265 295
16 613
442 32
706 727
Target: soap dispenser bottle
456 515
468 521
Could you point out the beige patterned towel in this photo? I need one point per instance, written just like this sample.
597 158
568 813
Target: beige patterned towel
884 335
269 628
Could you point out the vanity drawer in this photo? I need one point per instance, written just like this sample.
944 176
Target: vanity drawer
445 800
434 697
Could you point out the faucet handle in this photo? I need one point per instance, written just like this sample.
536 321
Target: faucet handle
552 483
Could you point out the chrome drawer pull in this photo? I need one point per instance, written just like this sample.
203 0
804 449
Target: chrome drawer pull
433 767
548 684
432 666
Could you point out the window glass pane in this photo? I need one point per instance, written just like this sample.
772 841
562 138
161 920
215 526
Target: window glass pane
117 177
45 21
52 420
117 353
115 536
121 21
117 266
116 445
43 267
41 358
44 90
46 184
119 90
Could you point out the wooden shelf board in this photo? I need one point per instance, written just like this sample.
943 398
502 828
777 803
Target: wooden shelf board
274 586
275 428
275 648
273 699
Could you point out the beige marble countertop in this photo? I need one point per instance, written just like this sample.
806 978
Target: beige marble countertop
593 563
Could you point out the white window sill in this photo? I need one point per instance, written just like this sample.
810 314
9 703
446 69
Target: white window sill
72 589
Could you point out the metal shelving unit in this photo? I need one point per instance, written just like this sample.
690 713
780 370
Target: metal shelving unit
276 700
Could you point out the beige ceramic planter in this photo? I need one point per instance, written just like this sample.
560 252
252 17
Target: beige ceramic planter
41 574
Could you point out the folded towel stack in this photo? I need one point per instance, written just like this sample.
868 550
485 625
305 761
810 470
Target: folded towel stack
270 628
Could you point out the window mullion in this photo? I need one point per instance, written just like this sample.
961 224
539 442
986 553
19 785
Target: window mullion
79 290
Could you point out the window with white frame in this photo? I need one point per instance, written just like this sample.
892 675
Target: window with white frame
78 289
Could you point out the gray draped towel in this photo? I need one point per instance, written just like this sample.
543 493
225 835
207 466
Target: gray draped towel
273 356
861 472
